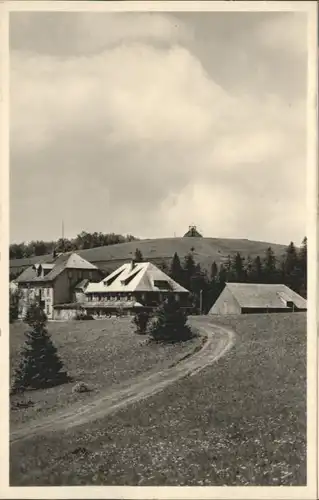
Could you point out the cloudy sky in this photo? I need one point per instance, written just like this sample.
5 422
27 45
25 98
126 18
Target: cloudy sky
144 123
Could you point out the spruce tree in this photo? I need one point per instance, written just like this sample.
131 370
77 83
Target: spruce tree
170 323
189 270
302 256
257 275
213 272
222 277
138 257
237 268
176 270
291 268
228 269
248 270
213 287
270 267
40 365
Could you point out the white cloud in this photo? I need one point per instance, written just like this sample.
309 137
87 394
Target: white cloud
160 127
96 33
290 38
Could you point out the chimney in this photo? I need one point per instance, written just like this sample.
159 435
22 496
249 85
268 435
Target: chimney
132 264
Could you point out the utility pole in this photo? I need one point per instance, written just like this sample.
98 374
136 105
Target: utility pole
201 302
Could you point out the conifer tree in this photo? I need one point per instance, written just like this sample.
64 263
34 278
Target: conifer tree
222 277
170 323
40 365
302 255
270 267
228 269
248 270
176 270
199 286
237 268
213 272
257 275
138 257
189 270
291 269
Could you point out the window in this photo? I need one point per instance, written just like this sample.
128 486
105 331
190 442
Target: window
109 281
162 285
48 309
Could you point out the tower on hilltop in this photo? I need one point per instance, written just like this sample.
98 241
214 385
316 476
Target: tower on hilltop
192 233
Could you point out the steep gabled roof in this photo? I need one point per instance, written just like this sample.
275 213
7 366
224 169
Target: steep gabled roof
142 277
65 261
252 295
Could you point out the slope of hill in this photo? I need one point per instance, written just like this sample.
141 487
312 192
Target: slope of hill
205 251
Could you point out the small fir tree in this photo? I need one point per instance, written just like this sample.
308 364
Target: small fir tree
170 323
40 365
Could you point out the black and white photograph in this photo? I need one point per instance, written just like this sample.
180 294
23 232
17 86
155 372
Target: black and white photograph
161 248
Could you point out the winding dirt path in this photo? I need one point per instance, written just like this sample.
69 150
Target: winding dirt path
219 341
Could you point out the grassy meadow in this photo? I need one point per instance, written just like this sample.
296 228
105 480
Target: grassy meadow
102 353
241 421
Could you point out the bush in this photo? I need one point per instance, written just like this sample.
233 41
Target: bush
170 323
81 387
141 320
14 305
82 316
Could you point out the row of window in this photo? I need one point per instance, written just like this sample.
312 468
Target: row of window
100 297
80 275
119 296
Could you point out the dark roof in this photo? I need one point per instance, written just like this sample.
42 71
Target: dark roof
68 260
253 295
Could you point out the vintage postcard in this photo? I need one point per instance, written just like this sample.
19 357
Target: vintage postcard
159 249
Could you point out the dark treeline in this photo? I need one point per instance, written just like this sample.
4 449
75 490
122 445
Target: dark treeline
82 241
290 270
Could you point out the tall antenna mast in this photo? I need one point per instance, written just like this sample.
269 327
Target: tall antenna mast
62 229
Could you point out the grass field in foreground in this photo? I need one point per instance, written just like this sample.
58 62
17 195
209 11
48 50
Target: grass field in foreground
241 421
100 353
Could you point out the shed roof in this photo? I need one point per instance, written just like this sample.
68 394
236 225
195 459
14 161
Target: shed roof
253 295
141 277
65 261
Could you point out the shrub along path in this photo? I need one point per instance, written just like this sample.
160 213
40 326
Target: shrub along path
219 341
